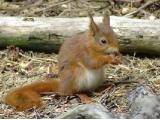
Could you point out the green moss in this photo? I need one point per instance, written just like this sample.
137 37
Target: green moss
37 42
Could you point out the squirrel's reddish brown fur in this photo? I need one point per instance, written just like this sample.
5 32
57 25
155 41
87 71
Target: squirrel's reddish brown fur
81 62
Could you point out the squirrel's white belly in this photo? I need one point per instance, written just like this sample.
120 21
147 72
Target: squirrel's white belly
89 79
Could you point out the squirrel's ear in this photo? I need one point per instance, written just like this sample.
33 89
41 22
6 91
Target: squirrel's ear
93 29
106 20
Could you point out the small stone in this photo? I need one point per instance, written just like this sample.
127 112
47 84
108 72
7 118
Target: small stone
147 107
87 111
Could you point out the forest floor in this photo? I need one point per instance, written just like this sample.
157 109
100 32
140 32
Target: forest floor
147 9
18 67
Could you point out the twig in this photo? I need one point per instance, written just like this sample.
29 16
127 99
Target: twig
72 10
47 59
122 82
47 8
36 3
89 6
142 7
9 61
133 1
38 59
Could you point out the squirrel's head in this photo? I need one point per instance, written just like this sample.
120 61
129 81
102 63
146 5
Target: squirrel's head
101 37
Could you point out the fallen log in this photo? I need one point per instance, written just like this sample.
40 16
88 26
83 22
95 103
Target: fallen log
47 34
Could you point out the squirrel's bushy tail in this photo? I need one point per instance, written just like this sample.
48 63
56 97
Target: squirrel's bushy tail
28 96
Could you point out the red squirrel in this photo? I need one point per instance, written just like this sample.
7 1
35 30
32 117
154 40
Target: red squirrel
81 66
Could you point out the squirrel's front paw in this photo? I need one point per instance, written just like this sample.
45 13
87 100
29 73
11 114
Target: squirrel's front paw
116 59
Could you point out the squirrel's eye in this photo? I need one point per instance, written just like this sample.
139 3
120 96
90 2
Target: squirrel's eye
103 41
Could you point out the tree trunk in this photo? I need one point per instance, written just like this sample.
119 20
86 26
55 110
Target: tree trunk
47 34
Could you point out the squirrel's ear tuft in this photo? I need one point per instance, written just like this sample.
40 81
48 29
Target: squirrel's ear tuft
92 26
106 20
